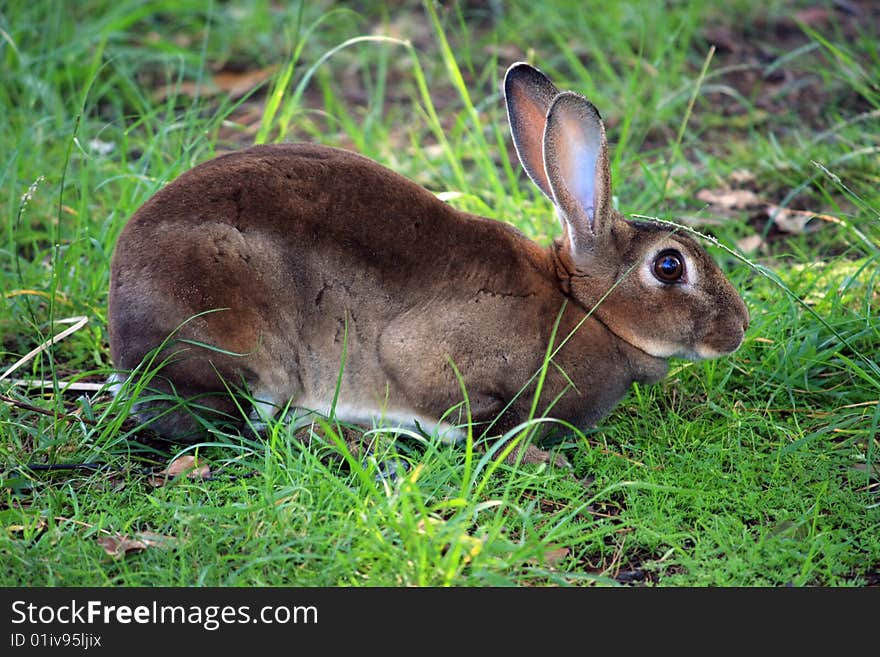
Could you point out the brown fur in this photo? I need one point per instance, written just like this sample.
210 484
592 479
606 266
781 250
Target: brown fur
308 248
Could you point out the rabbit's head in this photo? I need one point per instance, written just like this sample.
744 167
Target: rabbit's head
650 284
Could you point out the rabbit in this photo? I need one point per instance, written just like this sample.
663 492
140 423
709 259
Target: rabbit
337 285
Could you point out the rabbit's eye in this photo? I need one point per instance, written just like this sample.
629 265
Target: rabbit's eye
669 266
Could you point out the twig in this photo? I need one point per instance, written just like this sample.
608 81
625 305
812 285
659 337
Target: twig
83 386
43 411
79 322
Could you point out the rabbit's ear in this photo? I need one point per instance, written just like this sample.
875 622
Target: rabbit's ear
576 161
528 94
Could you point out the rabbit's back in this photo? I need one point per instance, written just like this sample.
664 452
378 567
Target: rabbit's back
342 210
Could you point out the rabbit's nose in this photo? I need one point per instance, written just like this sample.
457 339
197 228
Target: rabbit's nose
746 323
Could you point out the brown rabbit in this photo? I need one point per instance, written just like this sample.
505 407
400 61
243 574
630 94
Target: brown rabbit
315 259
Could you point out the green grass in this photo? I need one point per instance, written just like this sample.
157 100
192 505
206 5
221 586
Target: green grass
757 469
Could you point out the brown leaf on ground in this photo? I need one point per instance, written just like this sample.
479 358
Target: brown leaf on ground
551 557
555 556
742 178
187 464
234 84
730 199
115 483
237 83
791 221
740 195
750 243
118 546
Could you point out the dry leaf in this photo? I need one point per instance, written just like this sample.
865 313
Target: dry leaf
116 484
194 469
551 557
730 199
238 83
118 546
750 243
190 465
786 220
555 556
235 84
742 177
795 222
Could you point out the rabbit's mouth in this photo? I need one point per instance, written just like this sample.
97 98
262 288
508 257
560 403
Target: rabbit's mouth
721 344
700 351
662 350
712 346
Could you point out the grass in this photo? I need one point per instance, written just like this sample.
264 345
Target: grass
757 469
